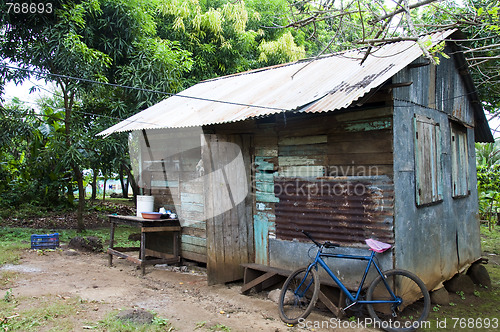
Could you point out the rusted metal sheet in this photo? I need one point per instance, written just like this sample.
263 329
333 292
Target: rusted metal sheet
345 210
316 85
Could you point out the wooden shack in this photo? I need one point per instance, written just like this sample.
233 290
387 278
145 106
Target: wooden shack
344 149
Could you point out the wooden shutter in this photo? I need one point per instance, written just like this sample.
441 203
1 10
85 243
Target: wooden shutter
427 160
459 161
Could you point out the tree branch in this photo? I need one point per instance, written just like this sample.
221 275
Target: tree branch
487 47
386 40
399 11
487 58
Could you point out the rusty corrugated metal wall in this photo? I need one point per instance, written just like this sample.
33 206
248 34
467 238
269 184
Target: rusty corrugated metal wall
330 174
346 211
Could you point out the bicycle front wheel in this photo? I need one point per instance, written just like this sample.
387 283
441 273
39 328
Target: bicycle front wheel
298 295
413 301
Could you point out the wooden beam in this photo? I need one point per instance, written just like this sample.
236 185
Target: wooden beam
419 64
161 229
329 304
245 288
396 85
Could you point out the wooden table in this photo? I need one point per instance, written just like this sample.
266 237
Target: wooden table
159 241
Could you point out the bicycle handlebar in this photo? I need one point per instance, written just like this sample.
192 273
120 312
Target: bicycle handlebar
327 244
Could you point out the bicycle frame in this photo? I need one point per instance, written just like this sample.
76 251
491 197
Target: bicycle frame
354 299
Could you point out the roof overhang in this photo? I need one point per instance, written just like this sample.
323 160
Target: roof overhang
323 84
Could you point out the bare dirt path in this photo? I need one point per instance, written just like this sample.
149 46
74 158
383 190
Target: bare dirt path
183 298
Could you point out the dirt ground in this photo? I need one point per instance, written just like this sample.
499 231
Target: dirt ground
182 297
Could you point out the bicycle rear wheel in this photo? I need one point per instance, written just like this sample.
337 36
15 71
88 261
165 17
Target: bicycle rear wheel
298 295
414 305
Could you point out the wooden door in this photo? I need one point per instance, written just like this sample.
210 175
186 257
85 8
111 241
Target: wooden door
228 206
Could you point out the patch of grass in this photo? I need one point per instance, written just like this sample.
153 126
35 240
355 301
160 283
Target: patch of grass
15 239
483 305
35 314
490 240
10 253
200 325
6 278
121 235
26 210
112 324
8 297
15 235
125 201
473 308
219 327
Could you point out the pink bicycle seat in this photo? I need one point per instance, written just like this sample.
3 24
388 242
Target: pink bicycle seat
377 246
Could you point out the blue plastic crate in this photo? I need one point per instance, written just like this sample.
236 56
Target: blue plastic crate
46 241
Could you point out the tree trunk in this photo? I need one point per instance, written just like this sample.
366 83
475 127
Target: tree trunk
71 196
94 185
122 182
69 99
81 197
131 180
104 189
127 184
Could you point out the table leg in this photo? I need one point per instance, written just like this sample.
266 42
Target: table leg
111 242
142 252
176 245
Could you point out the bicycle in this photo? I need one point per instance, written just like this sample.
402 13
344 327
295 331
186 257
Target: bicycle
397 300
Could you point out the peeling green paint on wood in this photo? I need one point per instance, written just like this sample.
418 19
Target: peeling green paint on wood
363 125
193 207
302 171
193 248
261 164
261 238
266 197
198 241
267 187
192 198
264 177
265 151
192 223
301 160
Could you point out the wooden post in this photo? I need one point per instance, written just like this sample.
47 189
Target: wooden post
142 252
111 242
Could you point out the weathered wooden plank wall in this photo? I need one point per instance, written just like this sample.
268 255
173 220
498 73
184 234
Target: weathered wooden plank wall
433 240
229 230
355 146
264 170
316 148
170 170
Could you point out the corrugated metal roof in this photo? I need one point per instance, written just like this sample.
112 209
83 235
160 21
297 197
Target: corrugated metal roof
317 85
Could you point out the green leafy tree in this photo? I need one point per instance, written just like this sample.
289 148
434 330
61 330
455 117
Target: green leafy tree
30 169
488 177
111 41
227 37
51 44
279 51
